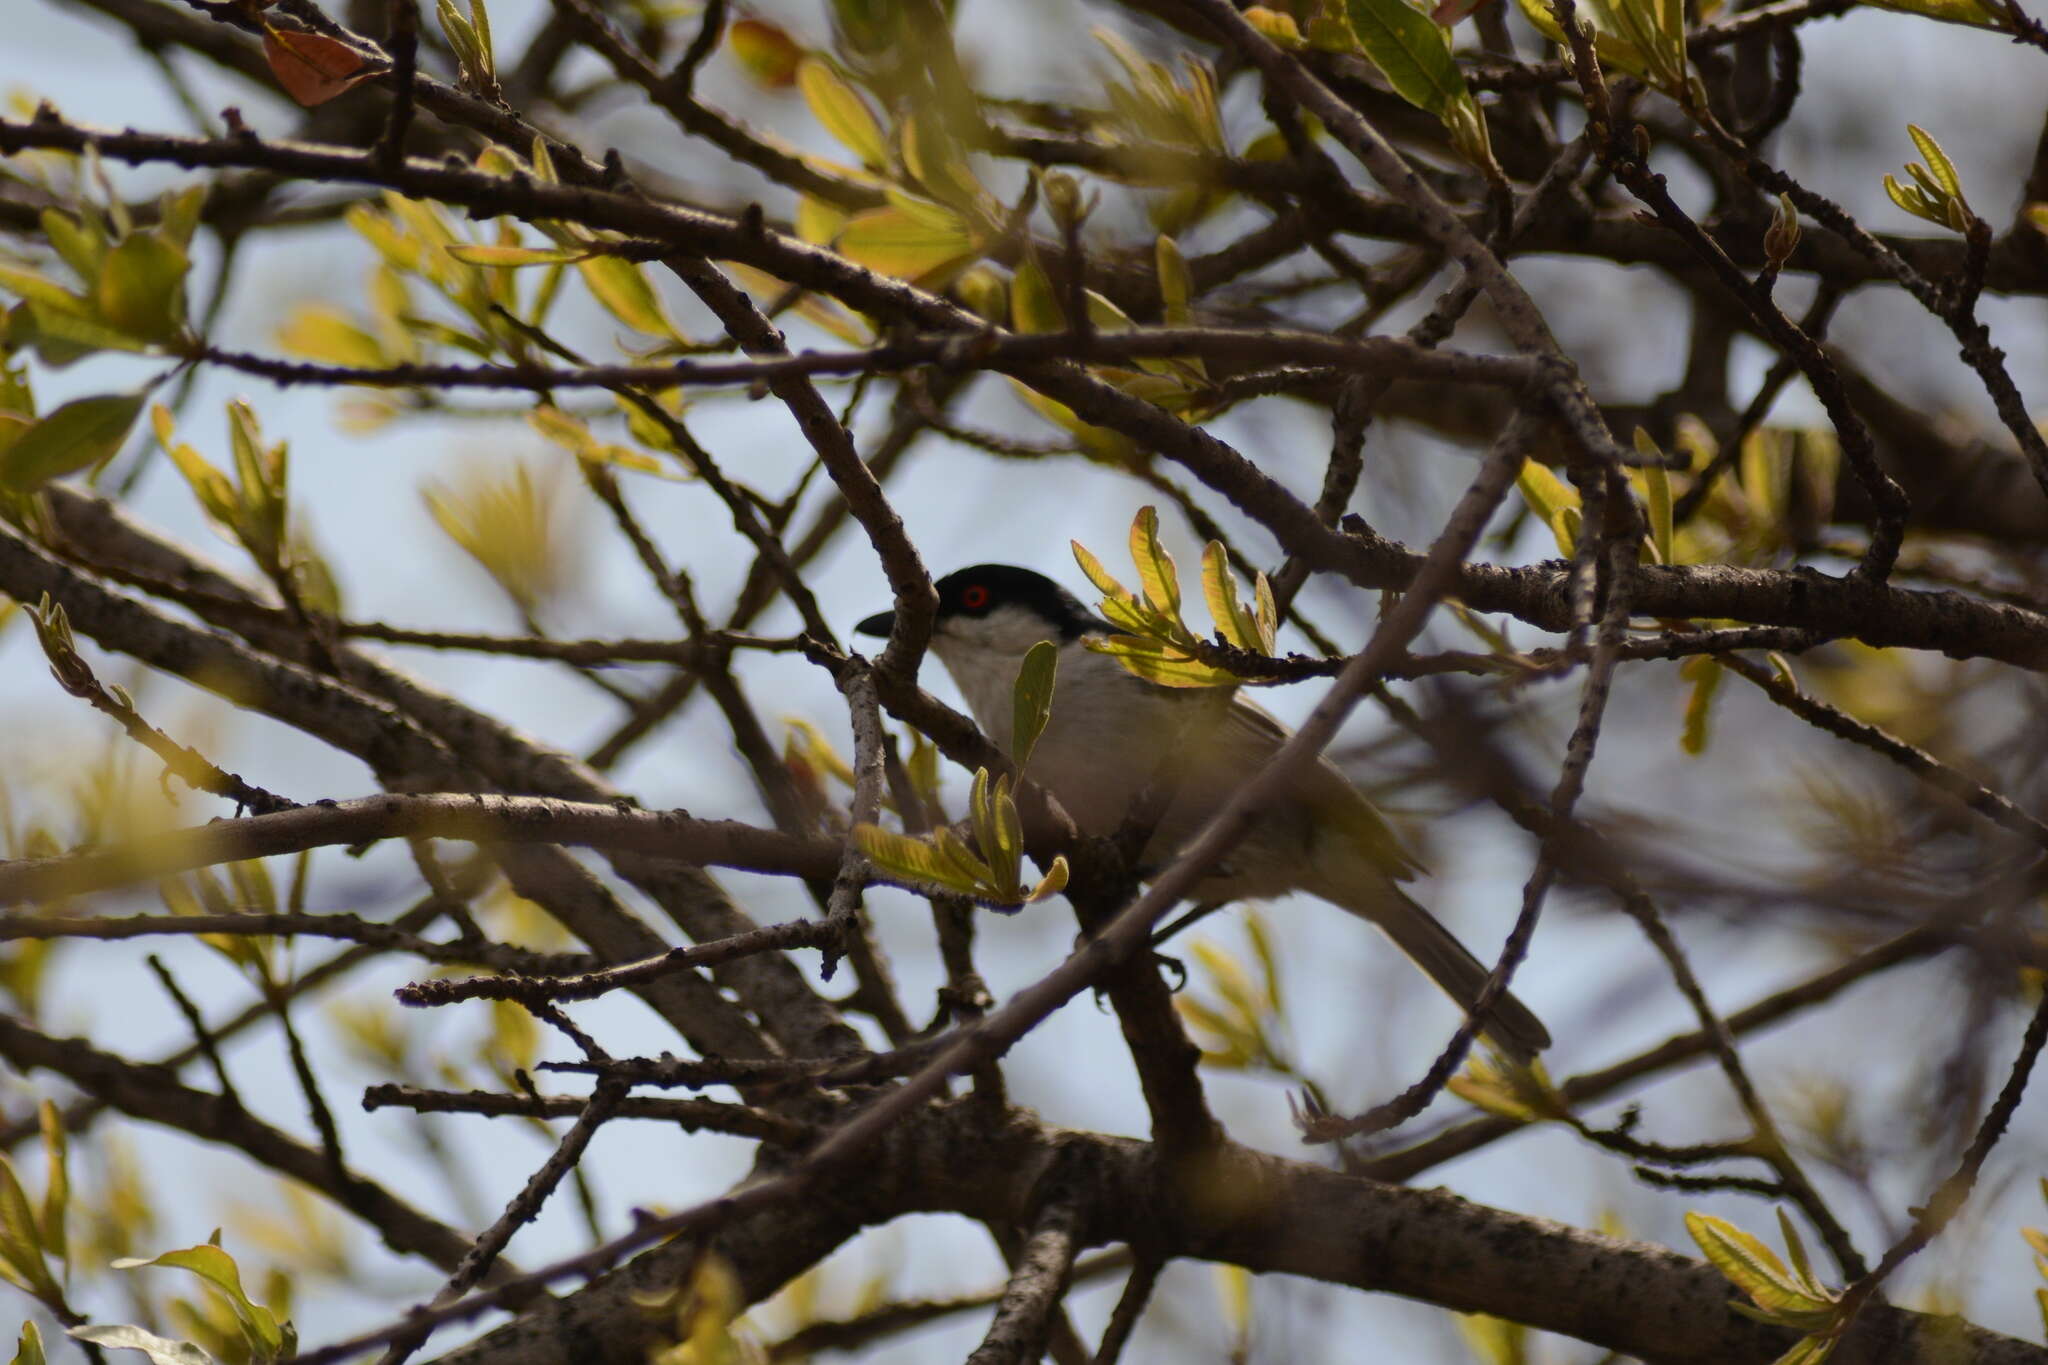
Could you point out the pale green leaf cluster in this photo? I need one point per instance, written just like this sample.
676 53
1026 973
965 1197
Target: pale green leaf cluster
126 287
938 219
1154 102
264 1334
435 286
1154 105
1782 479
513 522
1153 641
990 869
1781 1295
248 890
126 293
1237 1018
228 1320
1655 31
1645 38
1936 193
1508 1090
469 37
253 508
1177 384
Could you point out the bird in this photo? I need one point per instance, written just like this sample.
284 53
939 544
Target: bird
1109 733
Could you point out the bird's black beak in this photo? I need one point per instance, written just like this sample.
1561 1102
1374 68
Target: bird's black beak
881 623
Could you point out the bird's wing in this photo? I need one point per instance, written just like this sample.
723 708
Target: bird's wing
1323 785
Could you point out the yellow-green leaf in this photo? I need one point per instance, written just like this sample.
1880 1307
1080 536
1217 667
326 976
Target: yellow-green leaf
480 18
964 861
979 814
33 285
765 52
818 222
493 255
12 425
80 242
842 112
1176 284
78 435
1657 495
56 1181
1103 580
622 288
178 215
218 1269
29 1350
322 332
1741 1257
462 37
1495 1341
1809 1350
1751 1266
1972 12
215 492
1795 1250
1054 882
61 335
21 1245
141 288
1032 699
1265 614
1705 675
1943 169
1220 591
1033 305
1549 497
1156 573
1491 1093
1409 49
1135 617
921 243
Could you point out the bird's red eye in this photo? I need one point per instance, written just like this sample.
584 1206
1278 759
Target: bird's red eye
974 598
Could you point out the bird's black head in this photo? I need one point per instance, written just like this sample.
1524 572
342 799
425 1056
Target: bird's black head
986 588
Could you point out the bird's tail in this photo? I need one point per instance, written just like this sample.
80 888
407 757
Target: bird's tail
1510 1025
